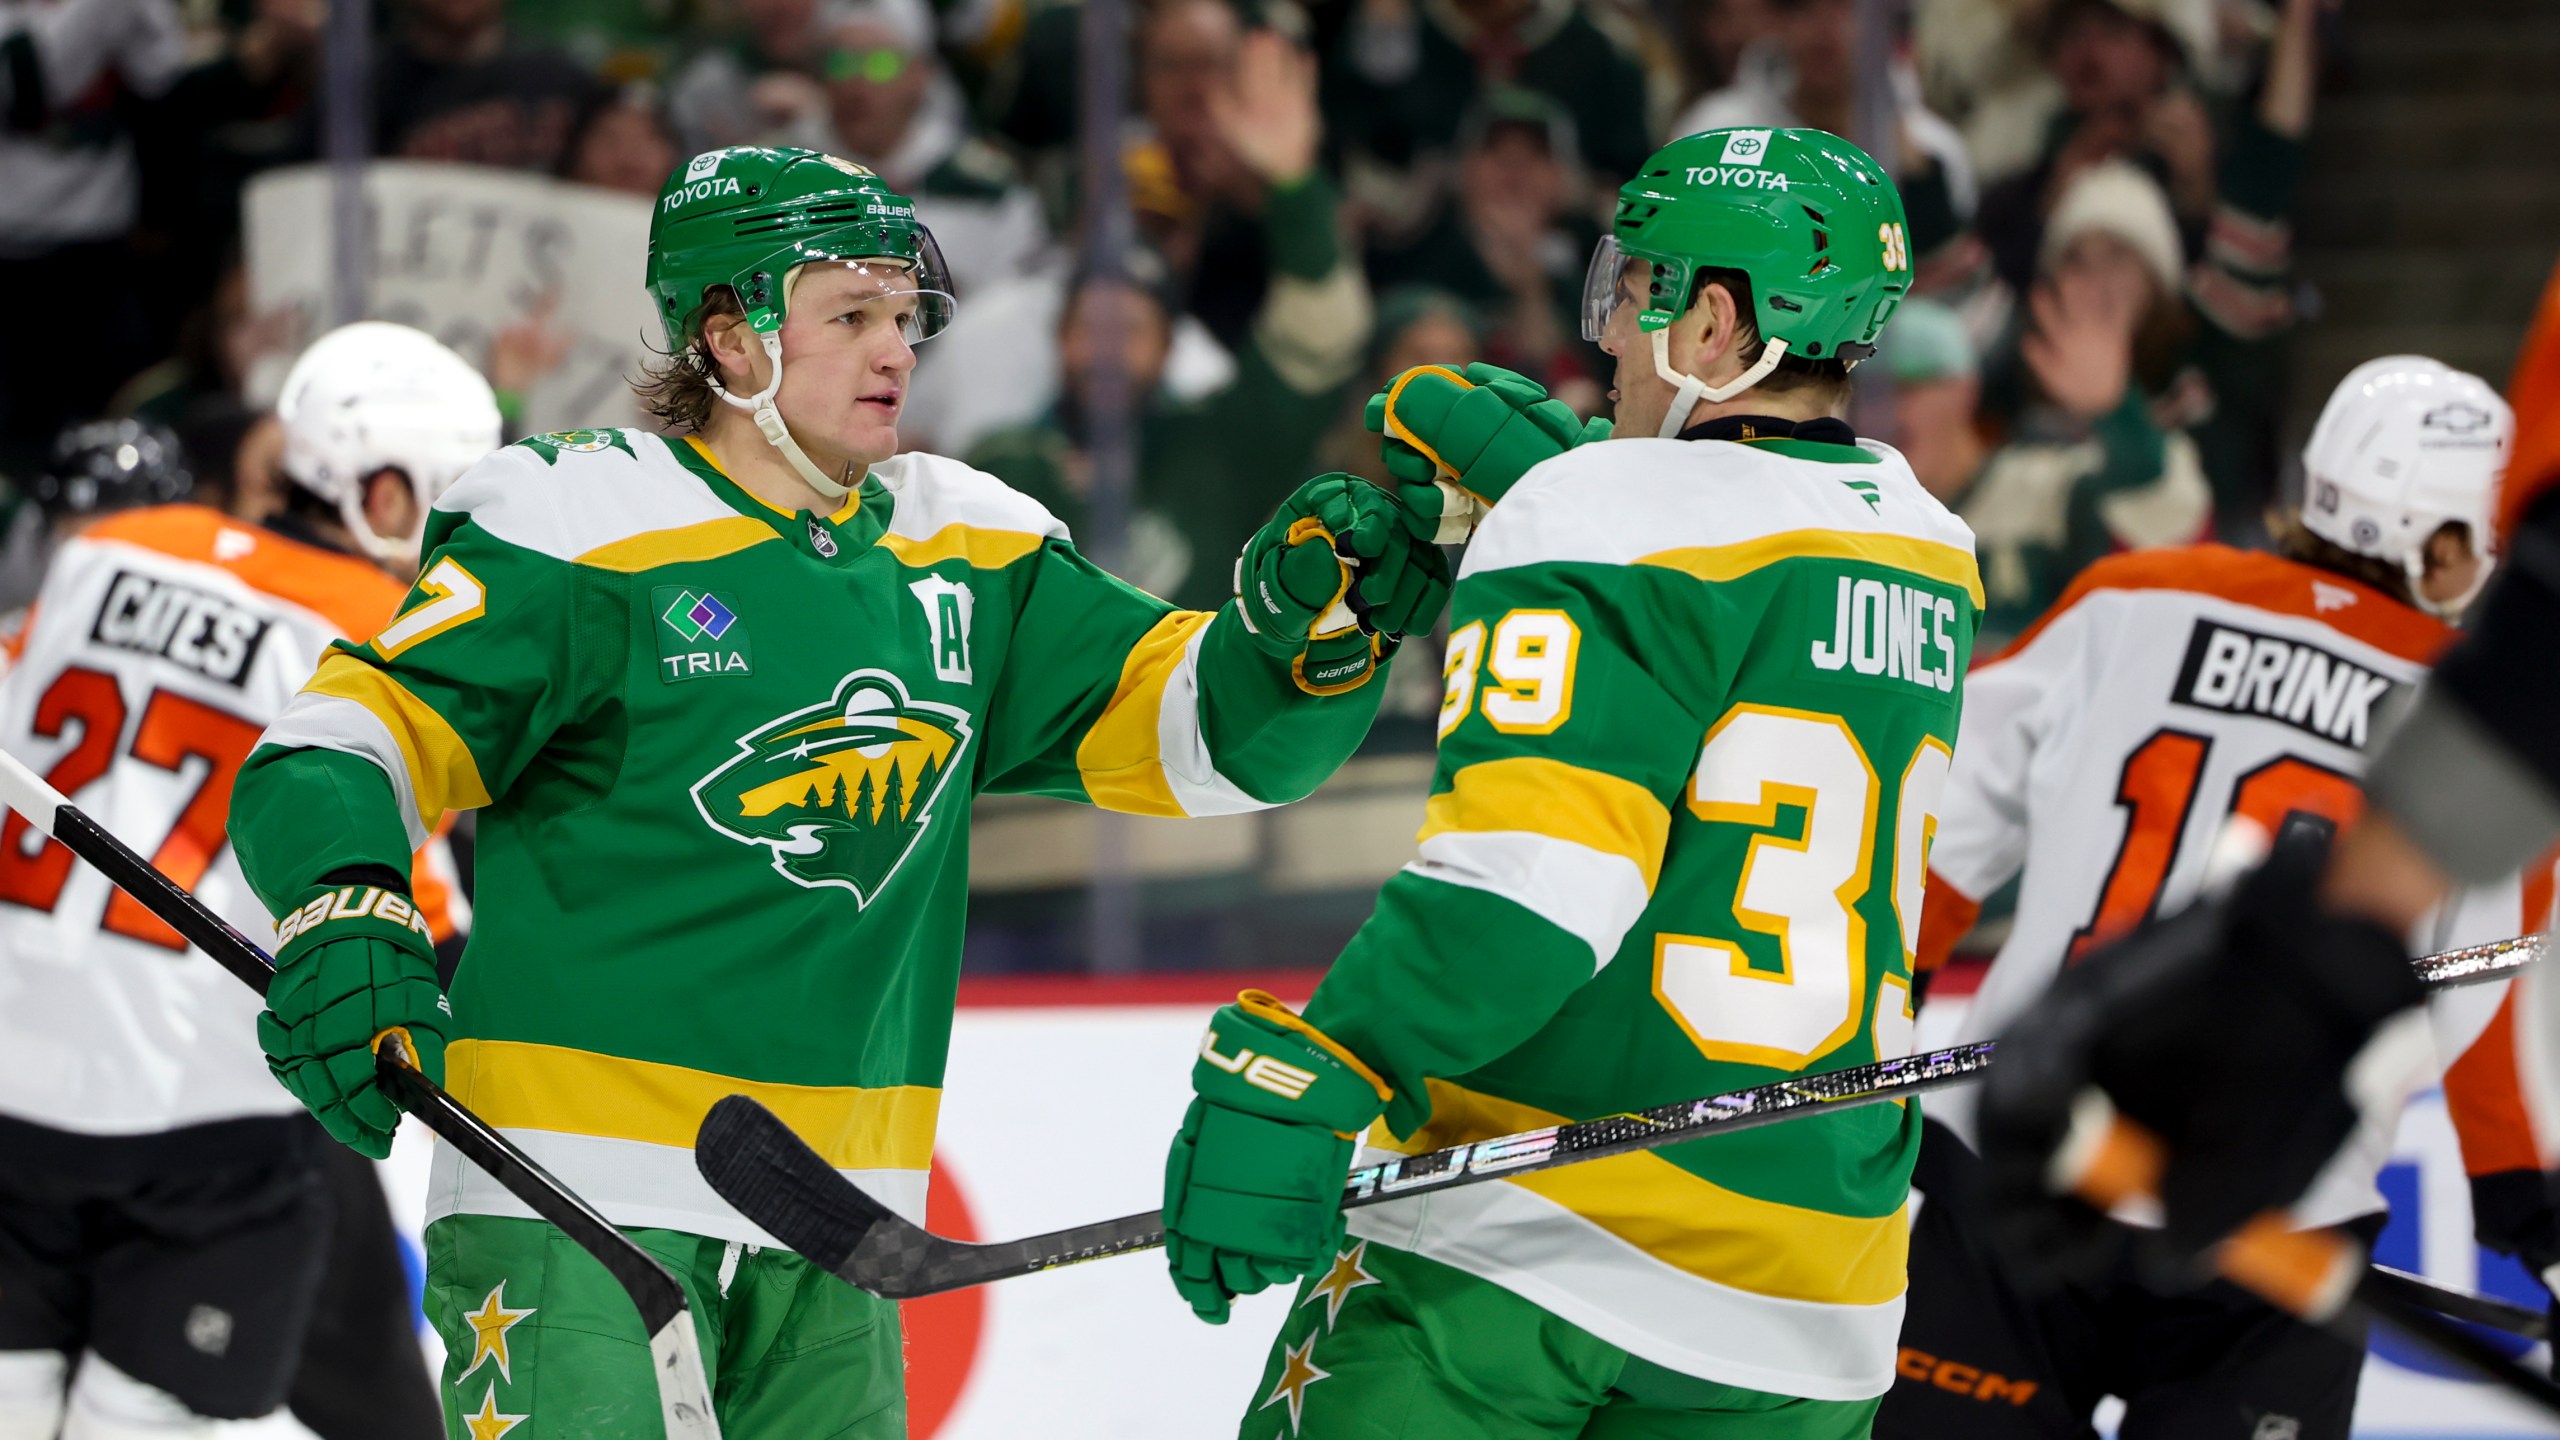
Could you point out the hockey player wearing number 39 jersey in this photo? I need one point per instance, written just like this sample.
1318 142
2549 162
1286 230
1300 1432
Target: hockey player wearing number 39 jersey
722 700
2165 693
1702 689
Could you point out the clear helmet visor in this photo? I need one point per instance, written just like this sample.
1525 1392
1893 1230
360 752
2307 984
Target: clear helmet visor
1600 287
915 293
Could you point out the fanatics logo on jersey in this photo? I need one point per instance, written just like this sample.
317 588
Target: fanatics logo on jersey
2241 672
699 635
839 792
191 628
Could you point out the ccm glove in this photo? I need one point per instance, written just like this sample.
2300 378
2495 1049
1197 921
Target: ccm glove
1253 1186
1483 429
2251 1034
355 963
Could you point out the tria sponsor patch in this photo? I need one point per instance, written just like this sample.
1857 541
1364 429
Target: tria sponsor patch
699 635
2292 682
191 628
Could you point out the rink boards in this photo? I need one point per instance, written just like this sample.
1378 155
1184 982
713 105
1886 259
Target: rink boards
1060 1099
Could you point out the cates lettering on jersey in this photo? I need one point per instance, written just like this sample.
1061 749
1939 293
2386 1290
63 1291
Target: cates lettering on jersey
2241 672
1897 632
185 626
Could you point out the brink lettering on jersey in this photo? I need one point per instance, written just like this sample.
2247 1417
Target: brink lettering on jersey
2242 672
1895 631
205 633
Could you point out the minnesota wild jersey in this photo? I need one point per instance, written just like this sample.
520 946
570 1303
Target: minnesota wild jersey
724 757
1701 700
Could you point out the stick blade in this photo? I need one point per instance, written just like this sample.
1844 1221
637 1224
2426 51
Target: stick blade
756 1163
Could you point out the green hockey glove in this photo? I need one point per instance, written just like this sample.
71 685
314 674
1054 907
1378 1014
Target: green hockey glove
355 963
1298 567
1253 1186
1396 594
1482 429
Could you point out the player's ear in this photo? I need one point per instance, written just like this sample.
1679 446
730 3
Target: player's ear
390 502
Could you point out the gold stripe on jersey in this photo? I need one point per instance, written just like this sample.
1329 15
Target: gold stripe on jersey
982 548
1948 564
1121 757
443 774
704 540
1590 808
1684 1221
516 1085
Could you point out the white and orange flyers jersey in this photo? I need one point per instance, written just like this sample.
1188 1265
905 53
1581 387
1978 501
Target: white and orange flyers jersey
2103 752
162 643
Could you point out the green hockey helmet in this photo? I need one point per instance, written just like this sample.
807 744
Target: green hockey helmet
749 217
1811 219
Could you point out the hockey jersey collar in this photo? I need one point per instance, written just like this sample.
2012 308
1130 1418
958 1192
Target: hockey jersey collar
833 539
1822 438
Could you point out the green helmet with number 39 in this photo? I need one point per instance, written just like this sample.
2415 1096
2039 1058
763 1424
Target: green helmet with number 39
1811 219
750 217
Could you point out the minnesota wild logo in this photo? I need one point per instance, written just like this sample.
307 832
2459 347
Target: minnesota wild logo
579 442
839 792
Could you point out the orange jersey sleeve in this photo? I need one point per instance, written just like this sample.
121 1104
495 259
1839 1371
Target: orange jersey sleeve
2484 1086
2535 392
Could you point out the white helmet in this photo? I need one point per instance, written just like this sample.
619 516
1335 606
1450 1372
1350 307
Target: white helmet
2405 445
375 396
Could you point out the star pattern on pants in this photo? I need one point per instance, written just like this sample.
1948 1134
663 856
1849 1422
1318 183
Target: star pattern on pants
489 1424
1348 1274
1297 1372
489 1326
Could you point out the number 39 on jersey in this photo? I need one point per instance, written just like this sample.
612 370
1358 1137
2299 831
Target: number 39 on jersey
1814 821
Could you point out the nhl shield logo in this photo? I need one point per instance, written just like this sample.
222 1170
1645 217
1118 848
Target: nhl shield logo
839 793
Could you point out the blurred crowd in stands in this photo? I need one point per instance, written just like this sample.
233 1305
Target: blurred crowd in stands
1325 192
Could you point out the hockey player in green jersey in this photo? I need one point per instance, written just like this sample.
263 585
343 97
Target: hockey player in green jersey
1702 687
722 700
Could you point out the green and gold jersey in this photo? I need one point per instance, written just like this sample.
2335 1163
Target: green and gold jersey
724 759
1701 700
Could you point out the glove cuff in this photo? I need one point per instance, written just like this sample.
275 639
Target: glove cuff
1263 1058
328 913
1339 671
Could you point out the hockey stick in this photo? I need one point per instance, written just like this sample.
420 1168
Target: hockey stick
2486 1310
756 1163
684 1388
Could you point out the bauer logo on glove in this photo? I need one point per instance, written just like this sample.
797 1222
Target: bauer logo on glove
342 904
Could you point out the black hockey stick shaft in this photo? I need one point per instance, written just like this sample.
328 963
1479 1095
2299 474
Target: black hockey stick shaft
2486 1310
754 1161
659 1299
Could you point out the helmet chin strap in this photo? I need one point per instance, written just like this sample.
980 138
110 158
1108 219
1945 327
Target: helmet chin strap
1688 390
769 421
